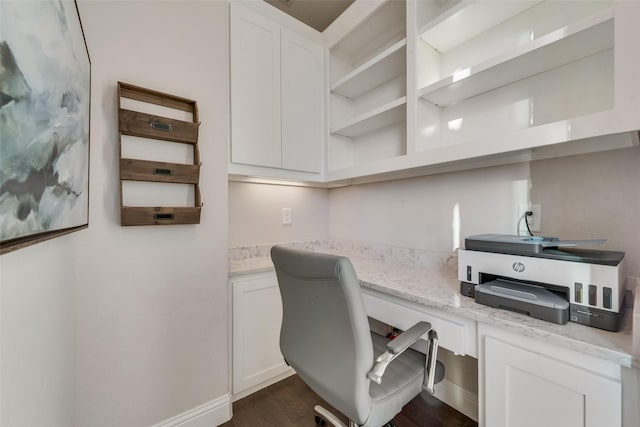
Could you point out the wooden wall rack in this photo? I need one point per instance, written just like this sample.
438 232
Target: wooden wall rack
155 127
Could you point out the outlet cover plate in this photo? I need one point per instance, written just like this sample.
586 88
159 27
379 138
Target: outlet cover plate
535 223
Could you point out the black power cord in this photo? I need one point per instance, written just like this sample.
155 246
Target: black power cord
527 214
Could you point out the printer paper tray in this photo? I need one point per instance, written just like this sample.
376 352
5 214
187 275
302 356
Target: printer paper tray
534 301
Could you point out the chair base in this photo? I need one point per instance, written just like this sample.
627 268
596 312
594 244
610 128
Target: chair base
323 416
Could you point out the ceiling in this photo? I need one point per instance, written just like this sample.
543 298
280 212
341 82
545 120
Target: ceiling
317 14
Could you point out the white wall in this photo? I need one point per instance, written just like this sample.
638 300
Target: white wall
255 214
37 335
151 302
592 196
583 197
121 326
433 212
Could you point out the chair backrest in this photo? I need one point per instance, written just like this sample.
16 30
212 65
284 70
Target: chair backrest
325 333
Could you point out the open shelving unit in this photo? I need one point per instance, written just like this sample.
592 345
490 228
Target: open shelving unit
158 128
368 91
490 73
573 42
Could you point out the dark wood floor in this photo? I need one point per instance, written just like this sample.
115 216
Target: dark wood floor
289 403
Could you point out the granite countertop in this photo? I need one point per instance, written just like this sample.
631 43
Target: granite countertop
437 286
249 266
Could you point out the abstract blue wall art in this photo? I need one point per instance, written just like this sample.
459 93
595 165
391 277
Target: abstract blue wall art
44 121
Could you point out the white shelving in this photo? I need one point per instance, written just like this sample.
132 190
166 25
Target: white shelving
381 117
570 43
469 18
492 74
380 69
364 30
368 93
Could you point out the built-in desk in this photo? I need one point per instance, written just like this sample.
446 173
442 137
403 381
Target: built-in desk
530 372
438 290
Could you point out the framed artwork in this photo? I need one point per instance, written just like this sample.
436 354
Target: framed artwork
45 90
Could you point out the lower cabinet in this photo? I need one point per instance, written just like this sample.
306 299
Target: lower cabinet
256 318
527 382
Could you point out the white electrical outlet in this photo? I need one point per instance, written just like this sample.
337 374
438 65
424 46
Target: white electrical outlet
287 216
535 222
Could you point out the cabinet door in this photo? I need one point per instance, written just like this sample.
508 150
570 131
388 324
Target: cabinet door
257 314
527 389
255 88
301 103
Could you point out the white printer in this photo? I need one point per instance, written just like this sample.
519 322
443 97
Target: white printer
545 277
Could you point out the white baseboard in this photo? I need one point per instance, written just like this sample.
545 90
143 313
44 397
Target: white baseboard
458 398
212 413
258 387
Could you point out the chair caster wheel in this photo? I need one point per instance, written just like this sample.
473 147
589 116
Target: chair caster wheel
320 421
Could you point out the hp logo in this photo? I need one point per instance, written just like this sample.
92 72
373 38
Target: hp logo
518 267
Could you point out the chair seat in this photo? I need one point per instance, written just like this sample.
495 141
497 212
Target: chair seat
401 382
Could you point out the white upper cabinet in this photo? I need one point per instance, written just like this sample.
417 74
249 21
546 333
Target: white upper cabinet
276 98
255 88
302 106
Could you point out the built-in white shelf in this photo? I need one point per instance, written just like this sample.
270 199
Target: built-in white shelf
378 70
469 18
383 116
570 43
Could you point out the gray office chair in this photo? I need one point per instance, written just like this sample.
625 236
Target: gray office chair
326 338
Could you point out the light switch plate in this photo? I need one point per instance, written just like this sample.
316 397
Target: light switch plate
287 216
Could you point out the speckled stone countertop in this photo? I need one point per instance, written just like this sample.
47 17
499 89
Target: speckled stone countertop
433 283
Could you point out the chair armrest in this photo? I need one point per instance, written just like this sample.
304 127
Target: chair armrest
431 362
408 337
395 347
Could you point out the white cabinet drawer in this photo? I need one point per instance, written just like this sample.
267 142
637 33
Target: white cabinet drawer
455 334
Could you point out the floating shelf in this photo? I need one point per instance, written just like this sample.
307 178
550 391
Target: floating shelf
159 215
145 170
383 116
155 127
573 42
378 70
145 125
467 19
